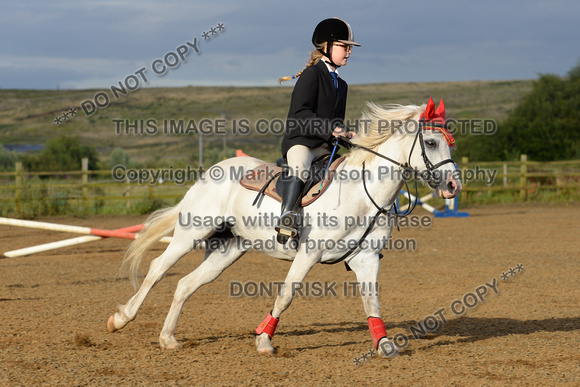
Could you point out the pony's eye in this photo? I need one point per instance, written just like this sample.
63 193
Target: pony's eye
431 143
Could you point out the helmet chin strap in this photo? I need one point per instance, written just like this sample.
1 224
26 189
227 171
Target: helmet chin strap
330 62
328 55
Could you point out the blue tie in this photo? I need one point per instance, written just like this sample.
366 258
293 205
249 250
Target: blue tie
335 77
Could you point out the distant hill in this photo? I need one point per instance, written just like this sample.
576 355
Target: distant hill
28 116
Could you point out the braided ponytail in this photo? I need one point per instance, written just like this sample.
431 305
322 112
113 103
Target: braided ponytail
314 58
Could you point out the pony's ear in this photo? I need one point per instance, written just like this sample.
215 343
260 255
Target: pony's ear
441 110
429 110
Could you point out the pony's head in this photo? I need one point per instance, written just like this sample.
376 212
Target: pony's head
415 136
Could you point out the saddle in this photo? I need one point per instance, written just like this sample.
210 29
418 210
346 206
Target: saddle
267 178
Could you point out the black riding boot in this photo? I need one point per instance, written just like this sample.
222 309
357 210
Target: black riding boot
289 220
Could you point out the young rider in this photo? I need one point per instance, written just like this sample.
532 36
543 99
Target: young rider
316 114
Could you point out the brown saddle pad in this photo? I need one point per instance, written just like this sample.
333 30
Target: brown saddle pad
268 173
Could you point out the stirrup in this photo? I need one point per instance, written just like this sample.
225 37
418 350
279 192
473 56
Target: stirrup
287 225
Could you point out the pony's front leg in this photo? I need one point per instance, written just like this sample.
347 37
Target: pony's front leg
298 271
366 268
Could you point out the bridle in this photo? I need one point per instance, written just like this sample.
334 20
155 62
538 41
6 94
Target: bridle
430 175
407 171
430 167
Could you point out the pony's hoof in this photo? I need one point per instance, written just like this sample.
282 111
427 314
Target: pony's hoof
263 345
111 324
170 344
387 349
266 351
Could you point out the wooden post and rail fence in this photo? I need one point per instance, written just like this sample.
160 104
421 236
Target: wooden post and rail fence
524 178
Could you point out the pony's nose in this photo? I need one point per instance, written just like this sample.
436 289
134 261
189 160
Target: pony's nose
451 186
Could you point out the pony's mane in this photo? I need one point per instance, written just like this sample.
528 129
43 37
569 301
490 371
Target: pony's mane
377 125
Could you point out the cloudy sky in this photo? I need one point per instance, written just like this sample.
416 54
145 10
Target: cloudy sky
78 44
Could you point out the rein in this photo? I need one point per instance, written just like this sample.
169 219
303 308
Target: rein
406 170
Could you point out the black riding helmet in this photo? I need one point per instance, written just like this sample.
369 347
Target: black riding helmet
330 31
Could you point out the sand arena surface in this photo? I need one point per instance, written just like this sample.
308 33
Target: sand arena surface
55 305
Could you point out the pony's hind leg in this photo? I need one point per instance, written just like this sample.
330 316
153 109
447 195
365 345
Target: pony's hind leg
159 266
216 260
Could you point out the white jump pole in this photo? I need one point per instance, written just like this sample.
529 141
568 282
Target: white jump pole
65 243
66 228
51 246
127 232
426 206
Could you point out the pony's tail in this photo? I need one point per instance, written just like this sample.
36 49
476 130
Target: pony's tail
159 224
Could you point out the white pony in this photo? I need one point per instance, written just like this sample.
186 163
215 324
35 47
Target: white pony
365 186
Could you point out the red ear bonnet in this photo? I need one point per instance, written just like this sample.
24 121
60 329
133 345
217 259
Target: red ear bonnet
441 110
437 119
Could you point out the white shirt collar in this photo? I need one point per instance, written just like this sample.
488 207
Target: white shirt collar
329 67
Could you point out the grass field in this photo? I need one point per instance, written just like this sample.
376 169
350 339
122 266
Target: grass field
27 116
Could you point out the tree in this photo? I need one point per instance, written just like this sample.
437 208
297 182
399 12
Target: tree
545 124
7 159
119 157
62 154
